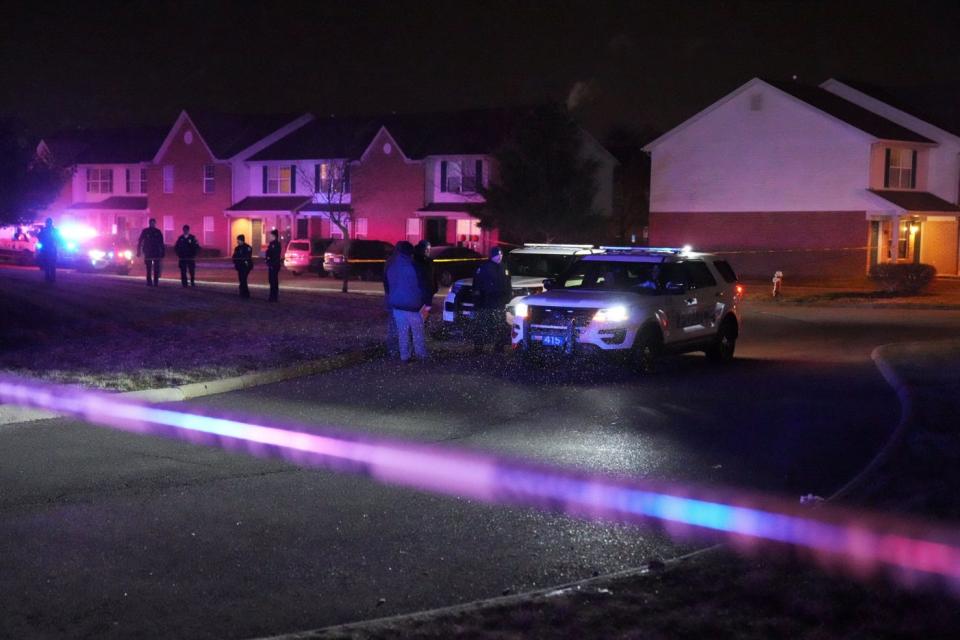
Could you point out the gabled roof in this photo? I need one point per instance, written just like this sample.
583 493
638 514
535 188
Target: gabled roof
470 132
228 134
916 200
938 105
853 114
105 146
823 101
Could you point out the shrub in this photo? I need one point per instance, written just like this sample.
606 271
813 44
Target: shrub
903 278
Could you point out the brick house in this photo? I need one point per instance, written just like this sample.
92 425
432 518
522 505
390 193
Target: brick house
413 177
820 181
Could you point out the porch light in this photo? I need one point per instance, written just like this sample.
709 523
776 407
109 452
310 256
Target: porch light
914 228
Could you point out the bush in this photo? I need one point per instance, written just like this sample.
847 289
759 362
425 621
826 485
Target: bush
903 278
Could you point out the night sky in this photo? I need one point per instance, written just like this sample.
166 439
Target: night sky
638 64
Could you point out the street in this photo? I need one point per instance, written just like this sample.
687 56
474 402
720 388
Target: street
109 534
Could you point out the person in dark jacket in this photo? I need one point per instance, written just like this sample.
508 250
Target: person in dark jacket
187 249
150 246
274 261
491 293
243 263
409 297
421 255
47 241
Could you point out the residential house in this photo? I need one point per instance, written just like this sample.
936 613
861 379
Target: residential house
812 181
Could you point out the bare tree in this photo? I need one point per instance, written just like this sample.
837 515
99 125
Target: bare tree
329 183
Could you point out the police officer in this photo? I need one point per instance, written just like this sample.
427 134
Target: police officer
47 241
491 293
150 245
187 249
274 260
243 263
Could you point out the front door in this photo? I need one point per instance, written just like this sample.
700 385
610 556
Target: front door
874 242
256 236
435 230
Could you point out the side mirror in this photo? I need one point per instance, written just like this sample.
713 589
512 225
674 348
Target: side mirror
674 287
549 283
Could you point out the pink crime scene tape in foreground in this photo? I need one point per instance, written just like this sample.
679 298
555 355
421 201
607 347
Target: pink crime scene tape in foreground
860 542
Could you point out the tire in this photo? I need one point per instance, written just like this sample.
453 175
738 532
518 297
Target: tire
725 342
648 349
446 278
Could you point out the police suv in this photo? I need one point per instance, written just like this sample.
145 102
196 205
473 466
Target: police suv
528 266
638 301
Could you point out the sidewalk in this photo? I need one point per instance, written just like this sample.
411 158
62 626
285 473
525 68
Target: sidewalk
716 594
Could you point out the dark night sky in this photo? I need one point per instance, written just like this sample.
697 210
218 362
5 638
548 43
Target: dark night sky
639 63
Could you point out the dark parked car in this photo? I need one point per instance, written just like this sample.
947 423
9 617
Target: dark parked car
452 263
365 260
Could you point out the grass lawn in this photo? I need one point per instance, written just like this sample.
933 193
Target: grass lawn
120 334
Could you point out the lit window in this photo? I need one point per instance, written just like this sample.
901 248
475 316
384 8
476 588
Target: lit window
900 168
209 178
136 180
208 231
99 180
143 180
168 178
168 232
277 179
331 177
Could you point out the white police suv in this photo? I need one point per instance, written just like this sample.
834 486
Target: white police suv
528 267
639 301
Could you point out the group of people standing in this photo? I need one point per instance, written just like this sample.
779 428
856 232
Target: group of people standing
409 286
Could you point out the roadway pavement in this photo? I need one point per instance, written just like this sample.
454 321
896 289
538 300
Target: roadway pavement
113 535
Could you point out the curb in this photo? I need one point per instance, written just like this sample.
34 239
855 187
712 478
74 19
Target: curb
11 414
382 624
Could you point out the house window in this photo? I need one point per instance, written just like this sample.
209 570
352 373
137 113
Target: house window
461 176
168 178
413 229
331 177
209 178
335 231
168 232
360 228
468 233
136 180
99 180
901 169
209 237
277 179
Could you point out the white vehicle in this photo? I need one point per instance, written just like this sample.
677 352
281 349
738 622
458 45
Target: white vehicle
18 243
638 301
528 266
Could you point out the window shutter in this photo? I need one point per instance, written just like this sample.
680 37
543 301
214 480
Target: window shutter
264 178
479 175
316 178
293 178
913 170
886 168
346 177
443 175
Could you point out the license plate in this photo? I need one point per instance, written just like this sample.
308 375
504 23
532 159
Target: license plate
553 341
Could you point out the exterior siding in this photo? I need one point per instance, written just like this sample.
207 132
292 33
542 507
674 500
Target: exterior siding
821 244
939 245
188 204
386 190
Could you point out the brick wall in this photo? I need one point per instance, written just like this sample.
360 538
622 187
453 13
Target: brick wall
819 244
386 190
188 204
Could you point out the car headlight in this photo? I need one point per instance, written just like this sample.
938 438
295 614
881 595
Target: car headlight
520 310
96 254
613 314
128 254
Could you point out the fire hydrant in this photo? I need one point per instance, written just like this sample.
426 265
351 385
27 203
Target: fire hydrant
777 284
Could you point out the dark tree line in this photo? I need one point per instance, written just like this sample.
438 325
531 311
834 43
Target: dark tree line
27 184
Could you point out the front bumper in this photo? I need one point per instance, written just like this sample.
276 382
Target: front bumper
594 336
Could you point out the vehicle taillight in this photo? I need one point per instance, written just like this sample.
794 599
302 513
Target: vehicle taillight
739 290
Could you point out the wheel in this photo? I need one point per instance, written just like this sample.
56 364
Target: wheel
648 349
446 278
724 343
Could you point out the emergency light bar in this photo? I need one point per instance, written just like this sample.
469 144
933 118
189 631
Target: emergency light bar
676 250
549 245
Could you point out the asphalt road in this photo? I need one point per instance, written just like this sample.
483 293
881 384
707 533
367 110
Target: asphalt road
105 534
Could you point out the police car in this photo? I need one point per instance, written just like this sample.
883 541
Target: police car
639 301
528 267
18 244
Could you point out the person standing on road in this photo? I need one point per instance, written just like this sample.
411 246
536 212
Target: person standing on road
243 263
47 241
491 293
421 257
150 245
409 297
187 249
274 260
